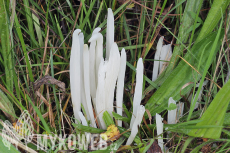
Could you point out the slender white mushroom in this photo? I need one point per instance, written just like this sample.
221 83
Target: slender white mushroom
159 126
97 49
109 32
137 122
75 70
100 94
83 96
87 83
163 53
96 30
120 84
138 90
111 77
157 58
172 113
92 69
99 52
84 122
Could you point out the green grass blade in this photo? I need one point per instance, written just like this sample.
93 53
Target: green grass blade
86 18
98 14
39 115
19 32
114 13
29 20
54 90
61 36
187 142
38 30
71 8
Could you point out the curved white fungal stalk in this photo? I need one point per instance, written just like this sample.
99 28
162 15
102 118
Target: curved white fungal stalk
172 113
84 122
163 53
96 30
96 48
98 53
137 122
92 69
100 94
111 77
75 70
120 85
109 32
159 126
87 84
83 95
138 90
157 57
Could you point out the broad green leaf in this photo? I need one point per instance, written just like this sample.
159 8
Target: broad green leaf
172 106
107 119
191 28
193 15
196 114
214 115
119 117
227 119
88 129
7 107
207 65
184 127
7 147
